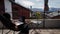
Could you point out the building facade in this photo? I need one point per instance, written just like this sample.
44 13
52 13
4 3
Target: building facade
14 9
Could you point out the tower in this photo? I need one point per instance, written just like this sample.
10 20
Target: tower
31 11
31 7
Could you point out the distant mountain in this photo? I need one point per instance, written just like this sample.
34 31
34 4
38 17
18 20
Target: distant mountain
52 9
37 9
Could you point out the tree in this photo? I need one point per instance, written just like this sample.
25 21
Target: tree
38 15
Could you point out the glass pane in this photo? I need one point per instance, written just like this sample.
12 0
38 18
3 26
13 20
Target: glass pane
36 7
53 15
29 3
54 9
54 4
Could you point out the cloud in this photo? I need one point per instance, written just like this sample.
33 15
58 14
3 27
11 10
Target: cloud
27 3
38 7
38 0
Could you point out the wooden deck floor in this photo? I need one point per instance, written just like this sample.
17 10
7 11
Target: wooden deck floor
36 31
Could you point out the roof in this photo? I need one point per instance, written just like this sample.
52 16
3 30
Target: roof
19 5
53 14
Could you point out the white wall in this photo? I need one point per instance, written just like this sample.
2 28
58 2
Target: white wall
8 7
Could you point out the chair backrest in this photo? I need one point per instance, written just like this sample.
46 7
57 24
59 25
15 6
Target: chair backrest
7 22
22 19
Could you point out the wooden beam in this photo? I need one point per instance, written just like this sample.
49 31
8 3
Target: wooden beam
46 7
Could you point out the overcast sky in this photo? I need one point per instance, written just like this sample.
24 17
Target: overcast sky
38 3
